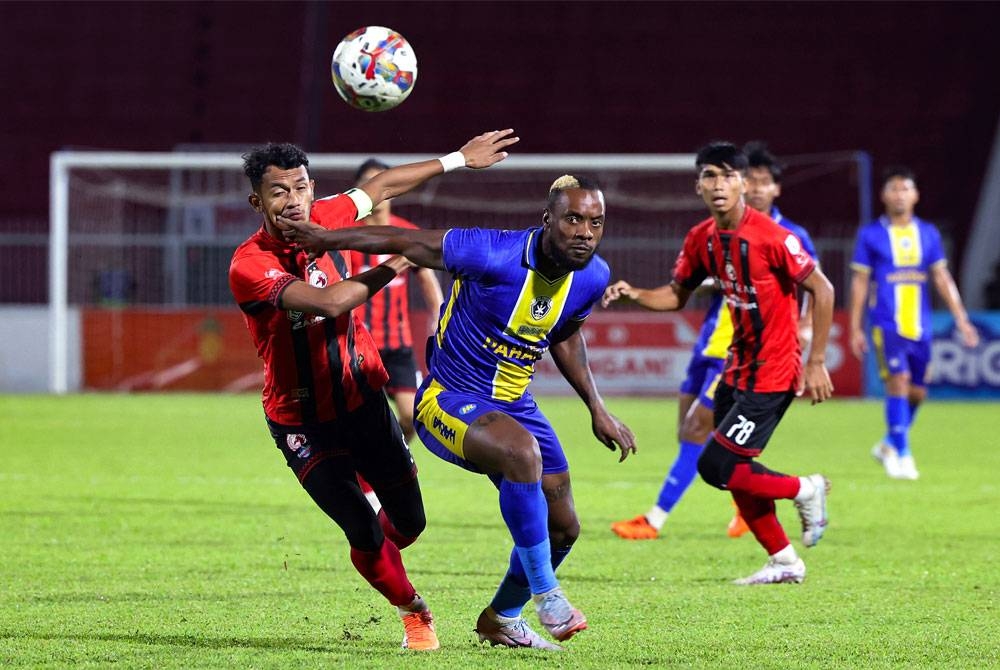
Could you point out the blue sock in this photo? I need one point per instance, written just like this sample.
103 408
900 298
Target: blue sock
913 411
897 418
523 507
681 475
513 593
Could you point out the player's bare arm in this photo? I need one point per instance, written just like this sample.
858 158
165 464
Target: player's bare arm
421 247
859 292
667 298
480 152
570 356
817 377
946 288
343 296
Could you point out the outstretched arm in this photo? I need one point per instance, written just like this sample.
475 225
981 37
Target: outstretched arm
420 247
570 356
481 151
667 298
946 288
817 378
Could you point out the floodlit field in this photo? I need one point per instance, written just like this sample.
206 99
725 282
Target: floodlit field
165 531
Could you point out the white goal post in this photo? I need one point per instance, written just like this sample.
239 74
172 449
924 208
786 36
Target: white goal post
630 182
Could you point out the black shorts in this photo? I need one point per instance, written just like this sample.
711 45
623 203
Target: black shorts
402 369
368 439
745 420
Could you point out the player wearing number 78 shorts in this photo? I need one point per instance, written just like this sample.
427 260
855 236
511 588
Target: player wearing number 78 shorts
758 266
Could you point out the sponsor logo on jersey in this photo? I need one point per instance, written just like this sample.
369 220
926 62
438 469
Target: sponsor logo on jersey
730 271
465 409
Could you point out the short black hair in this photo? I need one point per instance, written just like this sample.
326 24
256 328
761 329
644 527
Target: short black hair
369 164
567 182
898 172
719 154
281 155
758 156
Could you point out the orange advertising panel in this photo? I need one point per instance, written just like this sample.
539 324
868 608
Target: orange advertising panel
631 353
160 350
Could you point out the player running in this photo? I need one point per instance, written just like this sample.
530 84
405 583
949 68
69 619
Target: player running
323 398
757 265
515 295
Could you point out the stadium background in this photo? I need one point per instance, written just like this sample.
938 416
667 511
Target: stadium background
905 83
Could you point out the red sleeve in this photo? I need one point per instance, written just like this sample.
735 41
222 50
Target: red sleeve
791 258
257 277
689 271
337 211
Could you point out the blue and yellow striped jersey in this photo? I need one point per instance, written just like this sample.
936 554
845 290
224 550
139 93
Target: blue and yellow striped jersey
899 259
501 314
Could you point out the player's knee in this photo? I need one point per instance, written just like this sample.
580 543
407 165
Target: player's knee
410 522
564 535
695 428
715 465
522 458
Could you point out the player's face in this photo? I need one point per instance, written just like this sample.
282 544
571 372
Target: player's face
761 189
900 196
721 187
284 192
573 228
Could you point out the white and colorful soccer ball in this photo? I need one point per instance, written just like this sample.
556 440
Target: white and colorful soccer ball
374 68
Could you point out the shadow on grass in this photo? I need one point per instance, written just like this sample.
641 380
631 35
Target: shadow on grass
348 643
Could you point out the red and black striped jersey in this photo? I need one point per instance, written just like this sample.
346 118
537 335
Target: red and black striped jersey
315 368
387 313
758 267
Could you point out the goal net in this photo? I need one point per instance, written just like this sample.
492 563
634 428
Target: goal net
140 246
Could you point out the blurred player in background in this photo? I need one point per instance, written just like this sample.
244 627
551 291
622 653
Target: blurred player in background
515 295
894 257
758 265
323 379
387 313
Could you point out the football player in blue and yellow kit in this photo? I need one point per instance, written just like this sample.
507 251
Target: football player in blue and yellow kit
896 257
514 296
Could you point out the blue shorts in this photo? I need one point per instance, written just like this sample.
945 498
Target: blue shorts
897 354
443 417
703 375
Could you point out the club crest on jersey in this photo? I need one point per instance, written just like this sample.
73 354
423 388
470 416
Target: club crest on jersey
317 277
540 306
298 444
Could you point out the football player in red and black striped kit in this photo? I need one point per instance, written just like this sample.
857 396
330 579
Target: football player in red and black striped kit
323 379
758 265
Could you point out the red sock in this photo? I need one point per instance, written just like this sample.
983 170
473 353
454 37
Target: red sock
384 570
762 521
763 483
401 541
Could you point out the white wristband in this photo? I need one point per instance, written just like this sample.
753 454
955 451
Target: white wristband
452 161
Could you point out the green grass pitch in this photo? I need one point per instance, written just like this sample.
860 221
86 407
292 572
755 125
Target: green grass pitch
164 531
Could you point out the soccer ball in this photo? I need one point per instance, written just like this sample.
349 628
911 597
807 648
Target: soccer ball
374 68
